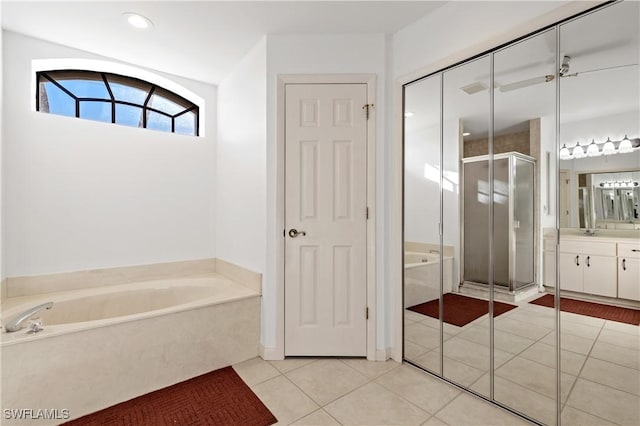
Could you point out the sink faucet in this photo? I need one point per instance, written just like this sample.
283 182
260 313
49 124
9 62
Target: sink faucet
590 232
15 323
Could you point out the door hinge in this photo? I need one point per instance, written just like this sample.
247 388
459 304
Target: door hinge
366 213
366 313
366 107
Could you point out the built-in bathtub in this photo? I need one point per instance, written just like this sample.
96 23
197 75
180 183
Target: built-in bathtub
422 277
105 345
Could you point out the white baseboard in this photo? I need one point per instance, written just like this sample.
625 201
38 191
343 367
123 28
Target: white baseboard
270 354
383 354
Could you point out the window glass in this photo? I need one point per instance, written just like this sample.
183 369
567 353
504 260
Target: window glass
186 124
158 121
55 101
96 110
114 98
168 102
128 90
128 115
82 84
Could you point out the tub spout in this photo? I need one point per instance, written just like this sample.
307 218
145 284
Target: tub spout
15 323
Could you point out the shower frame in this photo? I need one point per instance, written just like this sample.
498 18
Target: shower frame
511 157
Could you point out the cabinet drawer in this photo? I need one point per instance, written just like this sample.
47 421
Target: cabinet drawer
631 250
588 247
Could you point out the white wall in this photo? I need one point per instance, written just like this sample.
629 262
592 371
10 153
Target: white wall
242 166
81 194
2 270
241 156
322 54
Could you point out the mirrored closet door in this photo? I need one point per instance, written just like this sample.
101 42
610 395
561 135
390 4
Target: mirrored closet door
599 247
492 176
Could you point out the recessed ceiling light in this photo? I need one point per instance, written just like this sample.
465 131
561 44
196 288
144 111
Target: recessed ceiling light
408 114
138 21
466 134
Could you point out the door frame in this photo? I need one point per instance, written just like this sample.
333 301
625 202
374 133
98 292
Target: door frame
370 81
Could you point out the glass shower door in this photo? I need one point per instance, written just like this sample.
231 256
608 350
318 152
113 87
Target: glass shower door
523 222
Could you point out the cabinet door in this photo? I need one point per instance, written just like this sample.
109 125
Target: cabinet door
571 271
628 278
600 275
549 268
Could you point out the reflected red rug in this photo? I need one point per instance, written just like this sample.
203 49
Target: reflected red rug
592 309
216 398
460 310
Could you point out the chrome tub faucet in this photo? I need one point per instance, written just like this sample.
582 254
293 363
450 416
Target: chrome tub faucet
16 323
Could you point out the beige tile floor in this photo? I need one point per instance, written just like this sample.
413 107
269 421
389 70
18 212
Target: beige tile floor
600 376
600 363
332 391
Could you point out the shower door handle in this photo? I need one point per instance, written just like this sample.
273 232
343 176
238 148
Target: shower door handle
578 260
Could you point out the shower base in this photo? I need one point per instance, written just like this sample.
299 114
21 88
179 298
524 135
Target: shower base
499 293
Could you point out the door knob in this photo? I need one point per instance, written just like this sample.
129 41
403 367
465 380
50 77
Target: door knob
294 233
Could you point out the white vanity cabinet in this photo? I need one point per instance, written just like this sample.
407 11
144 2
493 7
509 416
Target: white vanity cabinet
629 271
588 267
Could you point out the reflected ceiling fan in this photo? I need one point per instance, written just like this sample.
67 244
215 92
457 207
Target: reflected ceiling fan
564 72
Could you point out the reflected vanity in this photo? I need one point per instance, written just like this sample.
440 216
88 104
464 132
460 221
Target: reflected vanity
487 193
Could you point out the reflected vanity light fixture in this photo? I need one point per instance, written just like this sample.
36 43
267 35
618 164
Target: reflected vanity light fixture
623 184
592 149
578 151
595 149
608 148
625 145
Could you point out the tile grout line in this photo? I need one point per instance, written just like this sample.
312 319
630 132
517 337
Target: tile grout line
564 404
590 414
607 386
333 400
405 399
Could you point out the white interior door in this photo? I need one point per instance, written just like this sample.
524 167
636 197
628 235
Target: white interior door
325 219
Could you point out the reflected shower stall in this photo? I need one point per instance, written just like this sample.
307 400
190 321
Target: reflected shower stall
513 220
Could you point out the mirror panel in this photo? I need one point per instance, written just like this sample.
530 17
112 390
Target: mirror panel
421 218
466 351
599 101
524 149
539 179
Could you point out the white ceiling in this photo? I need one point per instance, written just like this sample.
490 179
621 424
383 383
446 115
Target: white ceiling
609 38
202 40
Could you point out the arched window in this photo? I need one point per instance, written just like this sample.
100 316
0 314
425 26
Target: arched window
115 98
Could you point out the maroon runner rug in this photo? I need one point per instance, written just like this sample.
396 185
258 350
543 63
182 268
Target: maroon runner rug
216 398
592 309
460 310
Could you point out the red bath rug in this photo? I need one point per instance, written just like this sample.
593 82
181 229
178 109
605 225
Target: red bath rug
592 309
216 398
460 310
